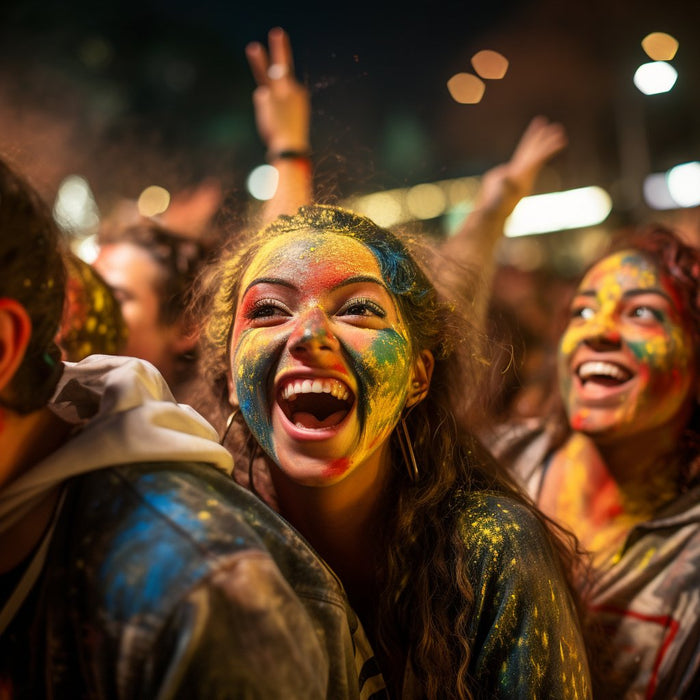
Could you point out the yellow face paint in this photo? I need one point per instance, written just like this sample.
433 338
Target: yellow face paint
320 356
626 359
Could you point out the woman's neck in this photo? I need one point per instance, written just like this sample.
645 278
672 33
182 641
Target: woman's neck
600 492
341 521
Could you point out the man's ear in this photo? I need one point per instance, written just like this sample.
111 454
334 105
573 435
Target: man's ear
420 379
15 332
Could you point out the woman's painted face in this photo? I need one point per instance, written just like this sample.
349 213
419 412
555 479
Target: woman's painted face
320 357
626 359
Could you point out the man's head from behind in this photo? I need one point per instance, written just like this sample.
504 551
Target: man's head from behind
32 283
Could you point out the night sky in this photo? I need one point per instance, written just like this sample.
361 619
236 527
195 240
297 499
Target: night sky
130 93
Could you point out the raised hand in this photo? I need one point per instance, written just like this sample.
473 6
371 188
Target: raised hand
505 185
281 102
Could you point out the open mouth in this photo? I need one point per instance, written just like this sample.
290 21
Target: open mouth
603 373
315 404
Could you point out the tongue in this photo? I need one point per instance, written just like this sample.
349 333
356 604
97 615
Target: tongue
309 420
603 380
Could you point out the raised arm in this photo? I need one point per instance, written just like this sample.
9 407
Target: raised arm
282 114
474 245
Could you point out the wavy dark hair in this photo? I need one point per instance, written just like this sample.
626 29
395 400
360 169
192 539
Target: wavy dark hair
420 540
34 274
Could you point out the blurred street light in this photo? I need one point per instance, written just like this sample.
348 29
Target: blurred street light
655 78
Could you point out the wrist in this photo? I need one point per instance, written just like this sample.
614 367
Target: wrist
288 154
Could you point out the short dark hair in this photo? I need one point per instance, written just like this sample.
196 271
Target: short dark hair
33 273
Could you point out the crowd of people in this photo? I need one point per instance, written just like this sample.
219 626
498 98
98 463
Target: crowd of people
274 463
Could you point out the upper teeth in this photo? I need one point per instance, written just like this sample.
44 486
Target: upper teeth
315 386
606 369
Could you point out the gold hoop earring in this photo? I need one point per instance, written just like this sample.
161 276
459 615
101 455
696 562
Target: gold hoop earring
229 423
406 446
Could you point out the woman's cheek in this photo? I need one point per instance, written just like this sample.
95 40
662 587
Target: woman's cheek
569 341
383 369
253 366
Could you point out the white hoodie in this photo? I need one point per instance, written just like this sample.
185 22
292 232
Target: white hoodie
124 413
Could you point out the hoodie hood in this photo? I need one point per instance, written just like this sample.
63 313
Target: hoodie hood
123 413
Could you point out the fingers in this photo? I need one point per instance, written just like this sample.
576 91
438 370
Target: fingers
541 140
281 49
257 60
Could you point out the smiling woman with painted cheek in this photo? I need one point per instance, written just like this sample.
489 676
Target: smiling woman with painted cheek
321 358
626 361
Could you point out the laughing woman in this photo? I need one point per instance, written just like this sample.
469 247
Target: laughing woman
621 468
336 352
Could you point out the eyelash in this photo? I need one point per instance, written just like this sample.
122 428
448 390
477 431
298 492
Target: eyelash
262 308
366 304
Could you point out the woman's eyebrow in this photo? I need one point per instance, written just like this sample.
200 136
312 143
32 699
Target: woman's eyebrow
638 292
360 278
269 280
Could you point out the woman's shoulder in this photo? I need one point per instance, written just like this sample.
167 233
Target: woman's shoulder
491 508
495 526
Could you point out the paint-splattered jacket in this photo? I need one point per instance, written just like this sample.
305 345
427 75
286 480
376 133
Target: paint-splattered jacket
648 601
166 579
525 636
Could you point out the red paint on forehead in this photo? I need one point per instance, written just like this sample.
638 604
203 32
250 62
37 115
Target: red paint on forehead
319 261
327 274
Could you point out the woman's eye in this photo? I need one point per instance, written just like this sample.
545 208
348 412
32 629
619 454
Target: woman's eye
647 313
361 307
268 308
583 312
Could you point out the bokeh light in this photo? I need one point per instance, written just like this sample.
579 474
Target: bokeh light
656 193
426 201
660 46
262 182
384 208
490 65
153 200
655 78
684 184
466 88
75 209
559 211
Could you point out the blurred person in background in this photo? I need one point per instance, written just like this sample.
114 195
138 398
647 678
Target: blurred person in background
92 320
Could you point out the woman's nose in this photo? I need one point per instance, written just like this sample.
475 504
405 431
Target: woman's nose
312 335
603 333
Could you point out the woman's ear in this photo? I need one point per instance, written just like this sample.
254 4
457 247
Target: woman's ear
15 332
420 377
232 394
